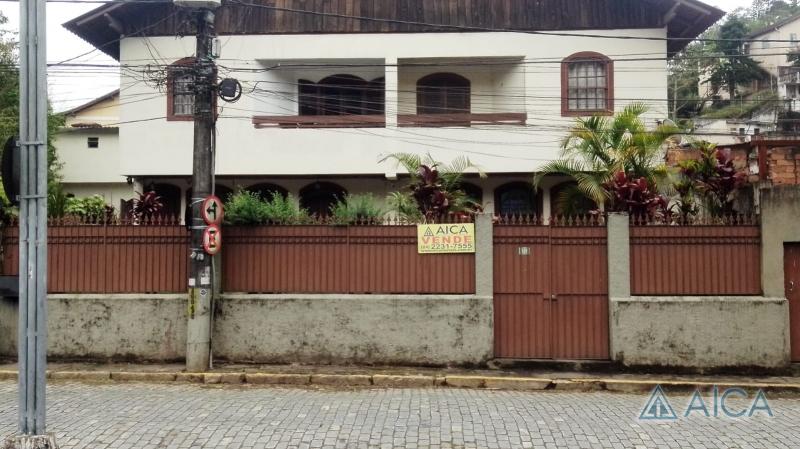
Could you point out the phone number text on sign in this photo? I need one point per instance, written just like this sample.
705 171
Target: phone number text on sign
446 238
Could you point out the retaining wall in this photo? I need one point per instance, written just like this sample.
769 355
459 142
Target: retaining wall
700 332
370 329
102 327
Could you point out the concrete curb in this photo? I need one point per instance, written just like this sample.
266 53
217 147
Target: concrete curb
408 381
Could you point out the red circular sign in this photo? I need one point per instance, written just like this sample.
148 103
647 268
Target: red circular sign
212 239
212 210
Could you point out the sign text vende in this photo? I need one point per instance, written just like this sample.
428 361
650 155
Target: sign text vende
446 238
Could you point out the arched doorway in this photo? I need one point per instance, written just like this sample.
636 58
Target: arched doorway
517 198
319 197
567 201
266 190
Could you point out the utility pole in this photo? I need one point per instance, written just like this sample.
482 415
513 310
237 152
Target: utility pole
201 273
675 96
32 229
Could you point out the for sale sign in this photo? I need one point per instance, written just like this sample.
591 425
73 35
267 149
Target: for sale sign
446 238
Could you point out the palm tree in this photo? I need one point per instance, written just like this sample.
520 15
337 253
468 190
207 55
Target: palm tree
599 147
435 188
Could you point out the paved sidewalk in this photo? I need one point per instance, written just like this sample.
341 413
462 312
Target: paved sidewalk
404 377
150 416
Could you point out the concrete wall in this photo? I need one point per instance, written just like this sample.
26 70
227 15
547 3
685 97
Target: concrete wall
354 329
780 209
82 164
100 327
413 330
700 332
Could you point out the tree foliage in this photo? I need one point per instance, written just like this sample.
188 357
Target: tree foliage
435 187
599 148
9 107
733 67
724 61
711 181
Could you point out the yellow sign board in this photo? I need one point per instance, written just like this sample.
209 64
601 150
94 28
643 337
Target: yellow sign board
446 238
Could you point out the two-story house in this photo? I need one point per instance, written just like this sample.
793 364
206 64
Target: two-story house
332 87
88 148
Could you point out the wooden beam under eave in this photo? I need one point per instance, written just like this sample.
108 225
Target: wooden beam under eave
671 13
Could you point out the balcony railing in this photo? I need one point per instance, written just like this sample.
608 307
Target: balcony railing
319 121
444 120
789 75
379 121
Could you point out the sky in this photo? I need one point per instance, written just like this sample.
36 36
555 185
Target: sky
70 89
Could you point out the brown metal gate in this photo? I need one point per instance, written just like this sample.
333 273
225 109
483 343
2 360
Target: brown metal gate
551 292
791 261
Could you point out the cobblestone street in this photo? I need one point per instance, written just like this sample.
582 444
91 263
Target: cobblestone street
146 416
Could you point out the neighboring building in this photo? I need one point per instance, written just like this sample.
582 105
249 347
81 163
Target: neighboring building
733 131
327 97
88 148
773 56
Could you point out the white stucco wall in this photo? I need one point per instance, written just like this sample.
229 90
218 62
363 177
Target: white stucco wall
150 145
81 164
771 55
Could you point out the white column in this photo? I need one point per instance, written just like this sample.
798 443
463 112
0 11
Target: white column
392 103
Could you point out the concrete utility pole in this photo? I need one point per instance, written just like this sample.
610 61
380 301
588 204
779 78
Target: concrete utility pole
32 228
201 273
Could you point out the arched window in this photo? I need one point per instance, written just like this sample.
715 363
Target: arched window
473 192
517 198
223 192
443 93
180 90
341 95
266 190
587 85
320 196
170 198
567 201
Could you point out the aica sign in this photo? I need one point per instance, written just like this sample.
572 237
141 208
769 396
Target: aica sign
719 405
446 238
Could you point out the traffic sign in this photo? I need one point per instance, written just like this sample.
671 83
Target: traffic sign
212 210
212 239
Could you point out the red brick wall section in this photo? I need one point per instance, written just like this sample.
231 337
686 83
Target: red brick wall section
676 155
783 166
783 163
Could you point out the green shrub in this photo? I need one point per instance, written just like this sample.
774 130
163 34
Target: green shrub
286 210
56 200
357 208
405 206
90 208
248 208
245 208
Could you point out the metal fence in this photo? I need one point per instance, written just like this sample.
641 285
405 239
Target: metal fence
152 258
339 259
530 258
109 257
715 257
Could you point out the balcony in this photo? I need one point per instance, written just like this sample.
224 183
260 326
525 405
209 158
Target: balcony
379 121
422 93
319 121
789 75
